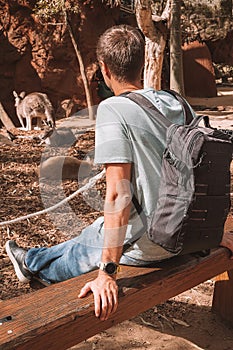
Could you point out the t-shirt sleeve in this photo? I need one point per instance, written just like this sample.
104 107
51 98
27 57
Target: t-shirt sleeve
112 143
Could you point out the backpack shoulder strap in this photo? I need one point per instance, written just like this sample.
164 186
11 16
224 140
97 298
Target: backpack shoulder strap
148 106
144 228
186 109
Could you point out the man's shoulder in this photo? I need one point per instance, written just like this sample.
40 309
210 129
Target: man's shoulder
156 95
162 99
122 98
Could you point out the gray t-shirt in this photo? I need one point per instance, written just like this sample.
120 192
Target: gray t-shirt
125 133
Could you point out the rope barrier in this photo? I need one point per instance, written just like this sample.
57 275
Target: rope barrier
84 188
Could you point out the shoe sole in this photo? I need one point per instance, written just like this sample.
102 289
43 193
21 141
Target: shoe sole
38 279
18 272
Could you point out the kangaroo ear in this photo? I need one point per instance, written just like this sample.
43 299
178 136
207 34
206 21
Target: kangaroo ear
89 160
22 94
15 94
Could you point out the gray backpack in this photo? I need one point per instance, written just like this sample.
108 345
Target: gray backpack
194 193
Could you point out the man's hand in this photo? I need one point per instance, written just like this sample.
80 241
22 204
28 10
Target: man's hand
105 291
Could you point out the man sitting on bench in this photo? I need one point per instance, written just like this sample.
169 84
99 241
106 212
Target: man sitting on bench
130 144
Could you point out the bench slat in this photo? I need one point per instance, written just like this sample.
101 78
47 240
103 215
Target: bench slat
54 318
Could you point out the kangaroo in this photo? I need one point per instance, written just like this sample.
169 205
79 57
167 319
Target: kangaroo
33 105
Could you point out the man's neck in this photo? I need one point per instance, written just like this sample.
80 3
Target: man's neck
120 88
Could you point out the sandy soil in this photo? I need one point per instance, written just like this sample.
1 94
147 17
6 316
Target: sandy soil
183 322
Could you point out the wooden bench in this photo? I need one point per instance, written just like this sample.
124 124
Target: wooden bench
54 318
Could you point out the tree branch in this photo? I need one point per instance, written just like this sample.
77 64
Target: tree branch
167 11
144 18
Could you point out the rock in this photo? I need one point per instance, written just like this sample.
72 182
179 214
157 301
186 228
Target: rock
199 78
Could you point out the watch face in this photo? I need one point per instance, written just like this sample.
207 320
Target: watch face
111 268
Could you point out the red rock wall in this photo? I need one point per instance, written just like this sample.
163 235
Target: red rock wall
199 79
37 57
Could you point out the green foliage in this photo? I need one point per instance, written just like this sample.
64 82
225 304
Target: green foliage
48 9
226 6
223 71
206 20
54 8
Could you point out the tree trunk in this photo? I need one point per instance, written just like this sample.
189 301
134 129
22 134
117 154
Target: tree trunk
5 119
176 58
82 72
155 41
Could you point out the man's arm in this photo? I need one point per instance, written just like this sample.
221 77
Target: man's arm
116 217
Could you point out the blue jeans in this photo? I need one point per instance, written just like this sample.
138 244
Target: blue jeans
73 257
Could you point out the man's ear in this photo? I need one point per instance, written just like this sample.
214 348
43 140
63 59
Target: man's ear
104 69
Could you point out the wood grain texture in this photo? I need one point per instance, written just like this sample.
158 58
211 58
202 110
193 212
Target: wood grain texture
54 318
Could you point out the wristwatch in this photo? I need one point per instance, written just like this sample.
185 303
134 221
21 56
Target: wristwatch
109 267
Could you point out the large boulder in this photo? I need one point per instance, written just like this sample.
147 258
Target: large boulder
199 78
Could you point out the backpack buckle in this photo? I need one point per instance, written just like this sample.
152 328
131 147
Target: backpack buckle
171 158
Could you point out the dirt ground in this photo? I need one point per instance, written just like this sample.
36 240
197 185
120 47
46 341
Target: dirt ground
183 322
